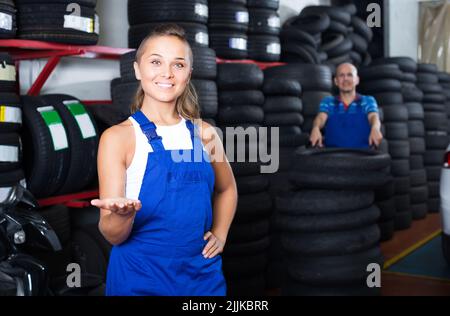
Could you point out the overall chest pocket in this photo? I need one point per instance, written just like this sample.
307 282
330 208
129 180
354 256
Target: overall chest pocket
181 179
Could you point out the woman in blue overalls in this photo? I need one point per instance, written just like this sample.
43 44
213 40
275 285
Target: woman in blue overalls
168 240
350 120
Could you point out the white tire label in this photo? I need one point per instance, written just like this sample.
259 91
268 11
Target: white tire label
273 48
238 43
79 23
83 120
9 153
202 38
55 126
201 9
9 114
6 21
274 21
7 72
242 17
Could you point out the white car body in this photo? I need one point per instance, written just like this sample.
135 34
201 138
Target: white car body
445 205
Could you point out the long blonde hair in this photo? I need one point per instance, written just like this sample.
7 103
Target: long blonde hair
187 103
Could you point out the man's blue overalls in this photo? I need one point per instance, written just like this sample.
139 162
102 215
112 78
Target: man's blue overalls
163 254
345 129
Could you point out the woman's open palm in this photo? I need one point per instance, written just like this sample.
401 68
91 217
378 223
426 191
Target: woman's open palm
120 206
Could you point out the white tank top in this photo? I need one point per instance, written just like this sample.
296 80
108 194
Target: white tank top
173 137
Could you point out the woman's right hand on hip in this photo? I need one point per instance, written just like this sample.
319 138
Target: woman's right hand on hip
119 206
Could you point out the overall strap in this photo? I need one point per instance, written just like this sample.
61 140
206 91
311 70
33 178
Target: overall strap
149 130
191 128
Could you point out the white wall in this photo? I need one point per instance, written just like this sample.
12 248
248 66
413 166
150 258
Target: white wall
403 28
89 79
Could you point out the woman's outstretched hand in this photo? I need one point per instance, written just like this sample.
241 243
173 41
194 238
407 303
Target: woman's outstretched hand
120 206
213 247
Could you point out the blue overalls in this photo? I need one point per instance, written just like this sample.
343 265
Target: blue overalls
163 254
345 129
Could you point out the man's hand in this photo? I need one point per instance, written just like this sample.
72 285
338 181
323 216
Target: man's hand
119 206
316 137
375 137
213 247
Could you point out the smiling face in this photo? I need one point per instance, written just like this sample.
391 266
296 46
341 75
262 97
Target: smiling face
346 78
164 68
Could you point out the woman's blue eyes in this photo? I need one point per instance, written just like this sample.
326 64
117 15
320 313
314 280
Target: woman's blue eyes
157 62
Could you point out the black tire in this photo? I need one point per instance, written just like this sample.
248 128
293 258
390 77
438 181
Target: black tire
196 33
387 209
434 98
268 4
429 88
248 248
429 68
417 145
240 114
409 77
7 73
387 98
386 230
88 254
83 139
327 223
416 162
337 27
419 194
313 23
229 45
416 129
360 27
334 270
343 48
434 205
406 64
434 107
247 232
294 34
252 184
395 113
264 48
45 167
310 77
360 45
436 141
396 131
403 220
335 13
263 21
381 72
331 243
58 218
402 185
315 202
241 97
231 17
244 266
400 167
10 152
424 77
283 119
88 3
399 149
207 97
380 86
434 157
141 12
253 206
435 121
415 111
282 87
282 104
311 102
205 66
296 52
235 76
340 159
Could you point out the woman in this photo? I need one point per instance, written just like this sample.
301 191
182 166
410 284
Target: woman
157 210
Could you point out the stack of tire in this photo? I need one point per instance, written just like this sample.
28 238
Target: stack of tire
241 105
263 30
326 34
316 83
11 169
123 89
384 82
60 141
329 223
228 25
444 81
62 21
191 15
282 109
8 11
436 139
